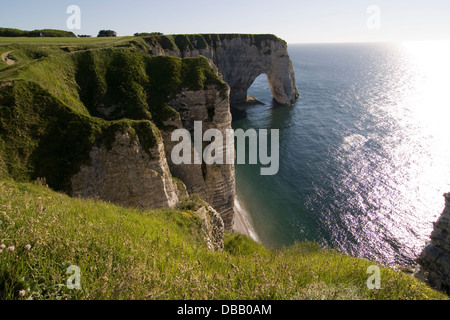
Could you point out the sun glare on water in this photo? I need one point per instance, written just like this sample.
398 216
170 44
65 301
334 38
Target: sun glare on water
430 62
425 111
404 184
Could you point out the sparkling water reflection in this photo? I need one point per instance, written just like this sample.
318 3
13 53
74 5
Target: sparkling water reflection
365 152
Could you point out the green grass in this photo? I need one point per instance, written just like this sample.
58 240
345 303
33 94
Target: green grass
26 49
135 254
64 41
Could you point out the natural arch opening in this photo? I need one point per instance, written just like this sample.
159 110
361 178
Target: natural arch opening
259 91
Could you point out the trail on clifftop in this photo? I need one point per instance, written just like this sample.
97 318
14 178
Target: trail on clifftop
5 58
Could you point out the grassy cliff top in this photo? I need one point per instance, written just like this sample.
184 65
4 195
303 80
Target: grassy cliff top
29 48
136 254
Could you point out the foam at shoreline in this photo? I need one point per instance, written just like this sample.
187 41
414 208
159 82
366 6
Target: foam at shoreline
242 222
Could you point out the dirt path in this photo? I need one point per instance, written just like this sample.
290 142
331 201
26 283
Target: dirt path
6 59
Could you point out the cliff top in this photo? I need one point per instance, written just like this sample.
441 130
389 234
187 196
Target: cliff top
201 41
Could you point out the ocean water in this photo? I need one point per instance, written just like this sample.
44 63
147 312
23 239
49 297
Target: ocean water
364 152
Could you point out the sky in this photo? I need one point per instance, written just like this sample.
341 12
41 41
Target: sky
296 21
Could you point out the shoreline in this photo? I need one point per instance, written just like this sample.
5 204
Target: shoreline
242 224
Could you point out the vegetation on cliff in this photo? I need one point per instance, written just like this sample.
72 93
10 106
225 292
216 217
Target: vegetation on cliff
137 254
188 42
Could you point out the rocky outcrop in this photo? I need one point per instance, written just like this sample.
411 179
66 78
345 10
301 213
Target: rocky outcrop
435 258
212 227
214 183
239 58
128 175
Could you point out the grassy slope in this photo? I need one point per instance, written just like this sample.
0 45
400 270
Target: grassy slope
135 254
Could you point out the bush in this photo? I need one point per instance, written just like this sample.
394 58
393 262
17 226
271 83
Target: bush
10 32
107 33
193 203
147 34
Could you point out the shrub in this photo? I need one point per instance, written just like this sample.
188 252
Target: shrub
107 33
10 32
147 34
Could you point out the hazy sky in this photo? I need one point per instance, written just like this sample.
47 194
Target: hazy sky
296 21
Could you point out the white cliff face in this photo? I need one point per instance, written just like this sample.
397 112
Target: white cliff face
240 60
127 175
214 183
435 258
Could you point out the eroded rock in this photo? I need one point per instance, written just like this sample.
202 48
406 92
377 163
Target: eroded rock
435 259
240 59
127 175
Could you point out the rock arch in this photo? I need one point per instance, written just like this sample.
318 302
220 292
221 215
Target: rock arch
239 58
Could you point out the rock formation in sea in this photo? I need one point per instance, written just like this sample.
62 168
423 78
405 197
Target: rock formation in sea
435 259
240 58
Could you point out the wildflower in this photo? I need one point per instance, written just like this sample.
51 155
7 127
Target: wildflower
2 246
3 213
11 248
28 247
22 293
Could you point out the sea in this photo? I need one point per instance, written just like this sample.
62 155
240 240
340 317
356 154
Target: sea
364 152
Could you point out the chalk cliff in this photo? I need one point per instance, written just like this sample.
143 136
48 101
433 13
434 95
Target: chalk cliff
215 183
435 258
240 58
127 175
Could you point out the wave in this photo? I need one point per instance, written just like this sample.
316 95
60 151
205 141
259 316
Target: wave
245 219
